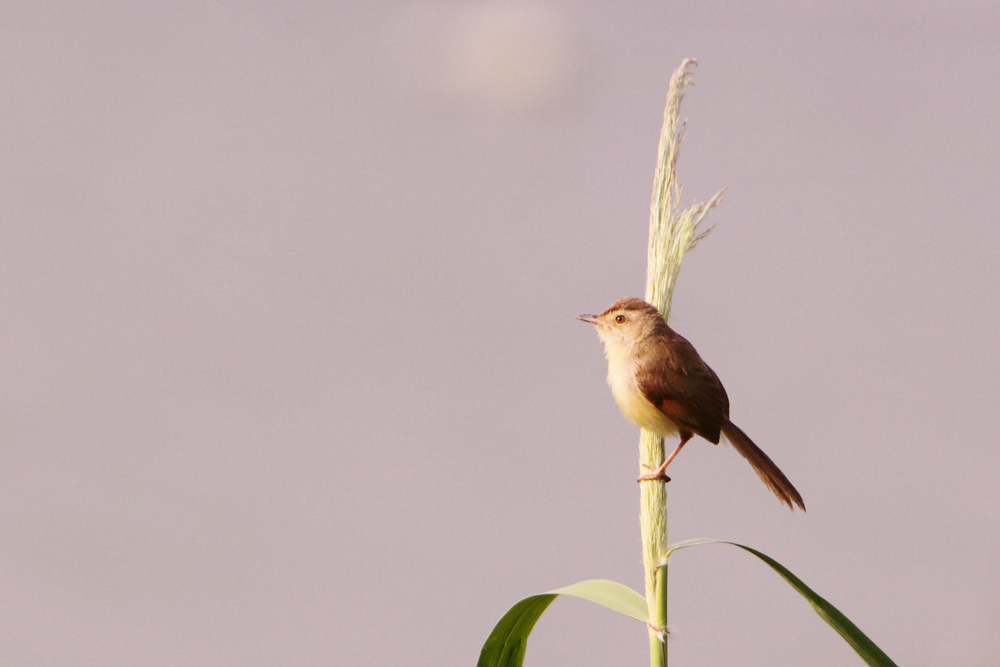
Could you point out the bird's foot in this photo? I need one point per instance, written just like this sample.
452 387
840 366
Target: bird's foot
658 473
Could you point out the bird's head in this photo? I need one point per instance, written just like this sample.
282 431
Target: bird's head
626 323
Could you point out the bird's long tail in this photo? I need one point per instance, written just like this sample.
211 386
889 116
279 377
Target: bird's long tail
763 466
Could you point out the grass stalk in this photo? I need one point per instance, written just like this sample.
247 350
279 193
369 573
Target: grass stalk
671 234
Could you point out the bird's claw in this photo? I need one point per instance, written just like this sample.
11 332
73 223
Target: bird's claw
658 473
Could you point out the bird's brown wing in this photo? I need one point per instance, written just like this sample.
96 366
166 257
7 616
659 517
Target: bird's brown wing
674 378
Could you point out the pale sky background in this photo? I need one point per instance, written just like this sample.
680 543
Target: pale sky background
291 374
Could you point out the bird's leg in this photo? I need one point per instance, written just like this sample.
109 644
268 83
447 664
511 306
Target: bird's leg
661 472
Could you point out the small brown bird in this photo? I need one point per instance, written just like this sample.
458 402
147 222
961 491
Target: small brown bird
662 385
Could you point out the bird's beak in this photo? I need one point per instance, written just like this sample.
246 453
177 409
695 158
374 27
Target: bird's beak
593 319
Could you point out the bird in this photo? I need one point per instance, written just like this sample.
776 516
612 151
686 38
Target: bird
661 384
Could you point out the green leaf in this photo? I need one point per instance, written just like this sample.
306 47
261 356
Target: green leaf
610 594
507 643
865 647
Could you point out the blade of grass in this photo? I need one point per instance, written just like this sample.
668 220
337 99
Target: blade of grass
859 641
507 643
610 594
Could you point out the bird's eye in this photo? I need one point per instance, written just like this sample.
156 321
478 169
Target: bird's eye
619 319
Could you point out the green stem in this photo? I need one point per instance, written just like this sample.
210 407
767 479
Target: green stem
660 619
671 234
653 519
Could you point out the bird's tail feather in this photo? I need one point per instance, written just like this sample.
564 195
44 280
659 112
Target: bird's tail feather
763 466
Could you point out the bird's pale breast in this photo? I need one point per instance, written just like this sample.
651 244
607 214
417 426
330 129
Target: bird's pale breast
631 401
